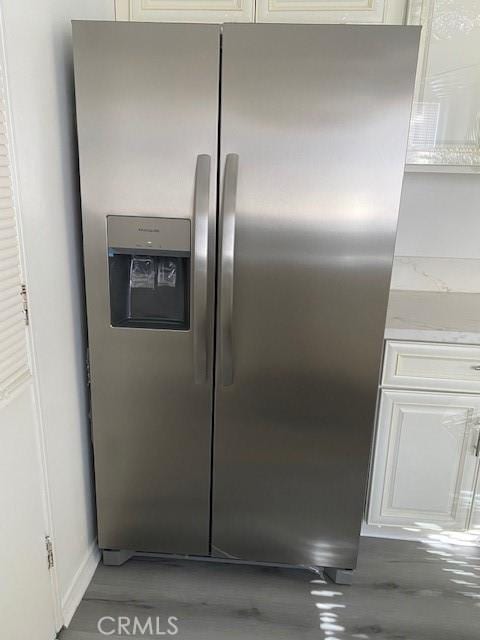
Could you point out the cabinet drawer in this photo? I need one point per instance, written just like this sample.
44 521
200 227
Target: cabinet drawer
417 365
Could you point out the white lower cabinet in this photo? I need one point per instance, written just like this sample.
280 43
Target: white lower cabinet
475 519
425 462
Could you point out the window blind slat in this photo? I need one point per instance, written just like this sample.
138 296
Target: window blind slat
5 192
9 351
14 362
9 286
8 226
8 254
8 233
7 217
6 213
15 366
10 316
9 274
9 263
14 333
12 343
8 244
6 203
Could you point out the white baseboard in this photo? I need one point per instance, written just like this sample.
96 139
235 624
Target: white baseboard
80 582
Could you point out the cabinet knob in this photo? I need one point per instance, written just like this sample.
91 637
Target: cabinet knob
476 367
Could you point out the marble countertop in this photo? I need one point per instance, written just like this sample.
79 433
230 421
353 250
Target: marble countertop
433 317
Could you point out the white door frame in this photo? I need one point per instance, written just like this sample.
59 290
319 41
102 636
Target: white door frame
39 420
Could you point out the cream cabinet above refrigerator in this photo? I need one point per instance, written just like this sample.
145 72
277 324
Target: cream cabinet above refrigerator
308 11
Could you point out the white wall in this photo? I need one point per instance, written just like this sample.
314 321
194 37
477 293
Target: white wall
439 216
38 51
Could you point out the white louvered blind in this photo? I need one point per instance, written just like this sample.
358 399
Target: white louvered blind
14 362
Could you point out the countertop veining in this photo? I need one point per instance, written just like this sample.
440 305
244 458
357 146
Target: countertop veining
433 317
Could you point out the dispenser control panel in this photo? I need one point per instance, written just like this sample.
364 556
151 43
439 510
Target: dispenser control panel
170 235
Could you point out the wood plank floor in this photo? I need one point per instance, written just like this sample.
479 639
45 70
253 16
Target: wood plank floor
401 591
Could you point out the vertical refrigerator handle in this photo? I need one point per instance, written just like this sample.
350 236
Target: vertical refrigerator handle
201 207
226 267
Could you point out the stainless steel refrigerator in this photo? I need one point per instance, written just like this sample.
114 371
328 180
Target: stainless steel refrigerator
240 190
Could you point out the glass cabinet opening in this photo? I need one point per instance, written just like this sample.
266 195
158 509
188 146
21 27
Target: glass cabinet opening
149 291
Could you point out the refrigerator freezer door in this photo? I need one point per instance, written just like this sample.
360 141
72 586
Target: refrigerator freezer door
318 117
147 107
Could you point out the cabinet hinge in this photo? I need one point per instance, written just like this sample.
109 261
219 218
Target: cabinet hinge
87 365
49 548
23 293
477 446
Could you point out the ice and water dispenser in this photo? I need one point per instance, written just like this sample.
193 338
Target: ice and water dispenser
149 272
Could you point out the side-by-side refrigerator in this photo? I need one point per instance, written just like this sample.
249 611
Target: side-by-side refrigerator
240 190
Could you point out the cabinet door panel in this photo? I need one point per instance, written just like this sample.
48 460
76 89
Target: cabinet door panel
475 521
424 464
323 11
215 11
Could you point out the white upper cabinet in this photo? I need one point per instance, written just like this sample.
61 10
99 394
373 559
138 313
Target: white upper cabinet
335 11
446 109
425 460
185 10
309 11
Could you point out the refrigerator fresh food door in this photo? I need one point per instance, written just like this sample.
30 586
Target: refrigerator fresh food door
147 107
314 130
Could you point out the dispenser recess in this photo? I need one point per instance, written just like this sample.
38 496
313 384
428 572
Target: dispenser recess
149 272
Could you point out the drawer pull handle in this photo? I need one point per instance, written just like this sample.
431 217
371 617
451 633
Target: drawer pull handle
476 367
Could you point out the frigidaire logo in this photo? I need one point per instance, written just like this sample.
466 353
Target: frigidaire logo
127 626
149 230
